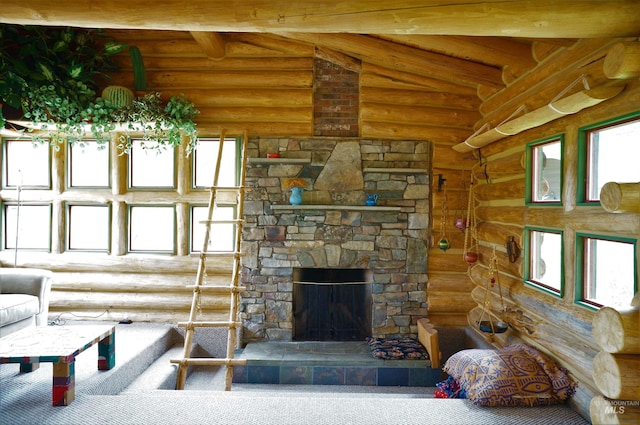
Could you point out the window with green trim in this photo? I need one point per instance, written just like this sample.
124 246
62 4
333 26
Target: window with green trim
606 272
608 152
544 172
544 259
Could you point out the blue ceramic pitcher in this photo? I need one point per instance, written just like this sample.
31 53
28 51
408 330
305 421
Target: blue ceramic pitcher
371 200
296 196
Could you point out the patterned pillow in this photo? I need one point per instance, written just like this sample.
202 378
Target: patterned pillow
517 375
397 349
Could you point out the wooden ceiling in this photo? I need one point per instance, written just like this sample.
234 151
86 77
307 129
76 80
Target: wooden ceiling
466 47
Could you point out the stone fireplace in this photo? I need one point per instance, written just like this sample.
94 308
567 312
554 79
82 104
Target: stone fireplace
333 229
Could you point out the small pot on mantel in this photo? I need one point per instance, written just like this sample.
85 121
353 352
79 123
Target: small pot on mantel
296 195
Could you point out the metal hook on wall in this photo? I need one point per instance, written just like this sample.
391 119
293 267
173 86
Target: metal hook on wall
441 182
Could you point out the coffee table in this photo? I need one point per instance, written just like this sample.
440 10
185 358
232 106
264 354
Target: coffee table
59 345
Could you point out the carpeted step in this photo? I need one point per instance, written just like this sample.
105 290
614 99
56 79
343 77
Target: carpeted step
160 375
138 345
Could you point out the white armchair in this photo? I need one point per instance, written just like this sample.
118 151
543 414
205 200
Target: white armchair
24 298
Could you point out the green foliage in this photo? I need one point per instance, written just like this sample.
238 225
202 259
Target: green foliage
50 73
162 126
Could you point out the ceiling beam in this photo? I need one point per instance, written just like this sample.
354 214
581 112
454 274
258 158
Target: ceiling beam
337 58
492 51
211 43
406 58
515 18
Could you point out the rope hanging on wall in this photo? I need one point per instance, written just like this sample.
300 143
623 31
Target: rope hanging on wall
470 252
493 280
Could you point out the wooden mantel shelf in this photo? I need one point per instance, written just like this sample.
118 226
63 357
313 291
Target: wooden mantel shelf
335 207
279 160
396 170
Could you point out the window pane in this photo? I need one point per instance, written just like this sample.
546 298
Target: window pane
26 164
545 260
88 164
204 160
151 229
608 272
151 167
613 154
33 223
221 237
547 172
88 227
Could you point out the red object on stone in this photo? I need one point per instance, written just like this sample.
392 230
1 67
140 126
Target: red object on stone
273 155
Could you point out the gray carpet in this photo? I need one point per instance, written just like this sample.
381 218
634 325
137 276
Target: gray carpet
119 396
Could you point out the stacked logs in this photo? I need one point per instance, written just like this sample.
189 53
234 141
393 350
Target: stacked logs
616 369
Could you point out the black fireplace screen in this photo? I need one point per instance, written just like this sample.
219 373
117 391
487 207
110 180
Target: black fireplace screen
331 304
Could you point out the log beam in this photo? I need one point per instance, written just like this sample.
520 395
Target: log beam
617 375
522 18
211 43
617 331
614 412
410 59
337 58
623 61
620 197
553 110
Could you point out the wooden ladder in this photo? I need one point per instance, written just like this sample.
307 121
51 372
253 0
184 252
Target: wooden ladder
199 287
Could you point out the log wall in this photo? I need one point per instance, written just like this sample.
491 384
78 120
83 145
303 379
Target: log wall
264 86
557 326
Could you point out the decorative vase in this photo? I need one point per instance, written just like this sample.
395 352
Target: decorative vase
296 195
371 200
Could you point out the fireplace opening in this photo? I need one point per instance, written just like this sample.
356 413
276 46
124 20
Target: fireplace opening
331 304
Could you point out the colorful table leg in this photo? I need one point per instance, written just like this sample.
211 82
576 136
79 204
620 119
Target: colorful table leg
64 381
107 352
27 365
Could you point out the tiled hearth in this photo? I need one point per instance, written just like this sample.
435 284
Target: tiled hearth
328 363
334 229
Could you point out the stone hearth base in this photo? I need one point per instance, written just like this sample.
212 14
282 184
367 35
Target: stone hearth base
328 363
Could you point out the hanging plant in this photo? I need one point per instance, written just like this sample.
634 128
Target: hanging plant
48 75
160 126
